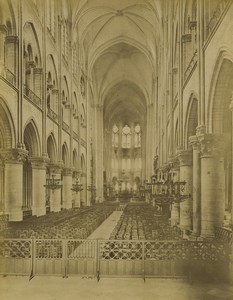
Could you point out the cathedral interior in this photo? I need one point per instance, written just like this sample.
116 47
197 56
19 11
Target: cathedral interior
116 139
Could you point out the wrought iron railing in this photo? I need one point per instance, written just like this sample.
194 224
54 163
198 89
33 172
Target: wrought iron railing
83 143
65 127
32 96
112 257
224 234
3 222
52 115
8 75
75 136
190 66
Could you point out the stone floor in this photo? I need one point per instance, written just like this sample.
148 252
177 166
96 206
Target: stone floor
105 229
56 288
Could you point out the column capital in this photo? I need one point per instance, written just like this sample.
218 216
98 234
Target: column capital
16 155
3 28
37 70
55 91
67 171
185 157
12 39
174 163
39 162
193 141
231 104
55 168
212 145
201 129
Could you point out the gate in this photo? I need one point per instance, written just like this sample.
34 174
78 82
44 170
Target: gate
49 257
15 256
121 258
81 257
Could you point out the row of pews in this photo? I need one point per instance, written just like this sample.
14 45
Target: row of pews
143 222
66 224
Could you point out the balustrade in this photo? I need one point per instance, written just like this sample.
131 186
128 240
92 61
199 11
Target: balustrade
32 96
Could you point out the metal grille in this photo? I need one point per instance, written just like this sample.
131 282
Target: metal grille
81 249
166 250
121 250
208 251
48 249
15 248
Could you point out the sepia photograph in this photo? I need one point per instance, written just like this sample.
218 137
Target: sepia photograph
116 149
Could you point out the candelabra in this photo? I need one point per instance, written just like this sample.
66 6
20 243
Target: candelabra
77 186
52 183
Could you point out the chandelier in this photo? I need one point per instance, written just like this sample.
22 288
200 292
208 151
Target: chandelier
52 183
164 190
77 186
91 188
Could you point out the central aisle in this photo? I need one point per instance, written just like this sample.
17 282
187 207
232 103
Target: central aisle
105 229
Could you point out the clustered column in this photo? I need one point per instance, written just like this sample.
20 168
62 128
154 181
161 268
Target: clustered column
13 161
175 209
193 141
67 185
38 189
55 195
186 173
212 183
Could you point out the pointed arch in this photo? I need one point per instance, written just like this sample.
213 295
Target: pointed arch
65 154
7 129
52 148
30 38
32 139
75 159
220 92
191 121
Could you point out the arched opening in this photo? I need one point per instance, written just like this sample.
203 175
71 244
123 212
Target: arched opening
7 141
192 121
83 181
32 146
221 123
65 155
51 148
52 154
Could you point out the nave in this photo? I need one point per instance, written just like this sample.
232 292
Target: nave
110 239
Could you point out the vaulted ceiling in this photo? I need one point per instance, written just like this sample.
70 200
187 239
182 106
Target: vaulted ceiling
121 41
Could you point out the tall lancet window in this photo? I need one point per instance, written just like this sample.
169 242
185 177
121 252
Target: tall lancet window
115 136
137 136
126 137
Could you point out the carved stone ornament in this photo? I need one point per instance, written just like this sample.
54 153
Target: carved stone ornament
212 145
16 155
185 157
67 171
82 85
55 168
193 141
39 162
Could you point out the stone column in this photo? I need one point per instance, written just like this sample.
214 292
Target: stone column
55 195
231 108
85 201
3 32
67 185
38 81
38 189
186 173
212 183
10 52
175 209
13 162
196 186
